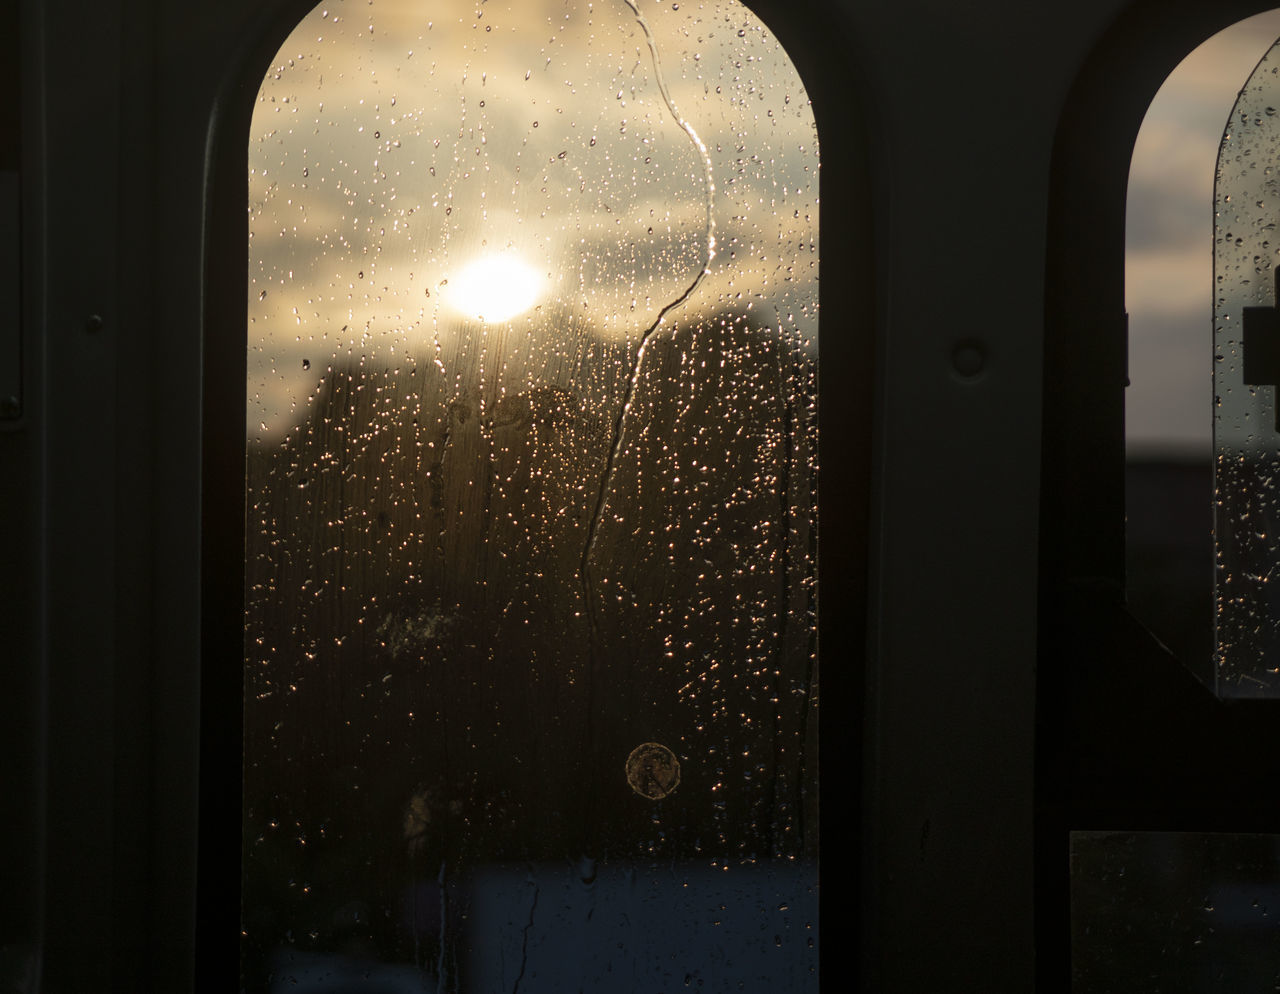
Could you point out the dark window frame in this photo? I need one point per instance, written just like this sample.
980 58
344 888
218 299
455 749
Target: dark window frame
820 47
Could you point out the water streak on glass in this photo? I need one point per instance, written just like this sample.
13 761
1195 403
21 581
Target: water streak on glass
687 128
530 636
588 588
1247 444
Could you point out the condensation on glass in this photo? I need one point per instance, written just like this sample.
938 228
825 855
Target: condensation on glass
1246 436
530 637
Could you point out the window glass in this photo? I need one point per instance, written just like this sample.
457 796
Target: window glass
1168 278
1174 911
530 637
1246 375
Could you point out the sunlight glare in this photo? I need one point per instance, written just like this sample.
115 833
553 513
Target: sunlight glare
494 288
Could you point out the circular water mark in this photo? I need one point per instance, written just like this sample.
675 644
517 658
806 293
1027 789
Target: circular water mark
969 359
653 770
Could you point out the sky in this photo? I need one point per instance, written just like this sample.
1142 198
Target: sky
519 165
1169 245
519 159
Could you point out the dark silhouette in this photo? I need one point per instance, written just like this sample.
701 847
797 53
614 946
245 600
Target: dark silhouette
427 690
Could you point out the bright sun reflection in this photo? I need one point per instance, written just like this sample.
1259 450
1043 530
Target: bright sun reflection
494 288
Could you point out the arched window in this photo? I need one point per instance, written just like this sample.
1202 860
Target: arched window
1169 409
1148 782
530 589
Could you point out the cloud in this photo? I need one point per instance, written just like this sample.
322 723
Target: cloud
1169 282
1169 219
390 150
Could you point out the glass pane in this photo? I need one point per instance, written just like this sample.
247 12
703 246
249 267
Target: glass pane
1247 444
1168 278
530 604
1169 911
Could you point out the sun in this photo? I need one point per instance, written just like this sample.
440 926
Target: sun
495 288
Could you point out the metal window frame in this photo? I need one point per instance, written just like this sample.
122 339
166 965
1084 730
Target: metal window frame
820 50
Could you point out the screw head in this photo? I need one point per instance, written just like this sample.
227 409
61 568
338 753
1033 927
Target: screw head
93 323
969 359
10 407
